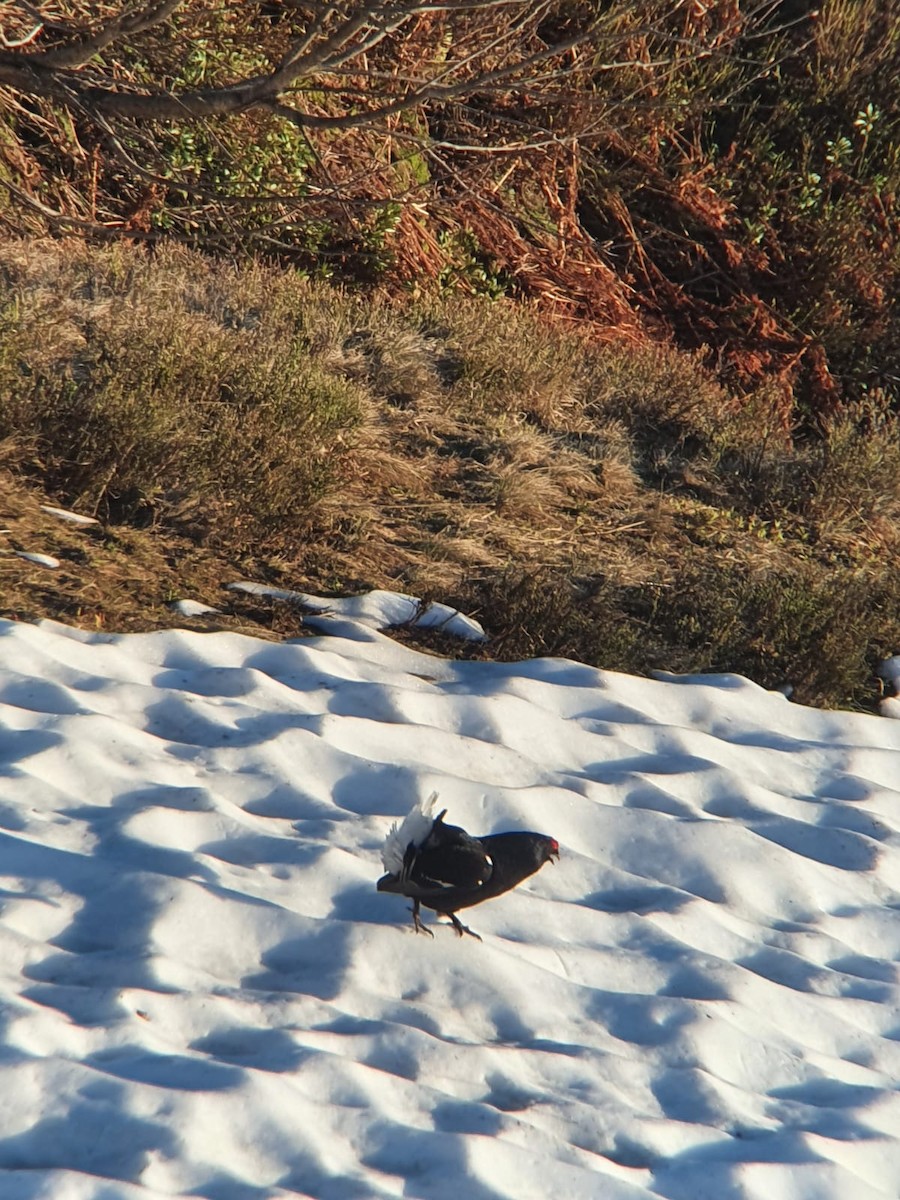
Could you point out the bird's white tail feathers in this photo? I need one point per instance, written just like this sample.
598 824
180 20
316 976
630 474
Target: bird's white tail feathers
415 828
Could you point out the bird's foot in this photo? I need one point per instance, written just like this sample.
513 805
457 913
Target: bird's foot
461 929
420 927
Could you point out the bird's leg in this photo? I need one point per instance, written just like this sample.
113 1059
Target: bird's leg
460 928
417 920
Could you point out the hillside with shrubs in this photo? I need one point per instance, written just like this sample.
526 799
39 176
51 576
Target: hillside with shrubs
583 317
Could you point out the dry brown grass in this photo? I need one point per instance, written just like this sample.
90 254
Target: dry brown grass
119 579
609 502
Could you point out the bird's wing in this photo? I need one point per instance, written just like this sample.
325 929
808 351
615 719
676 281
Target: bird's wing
458 865
441 835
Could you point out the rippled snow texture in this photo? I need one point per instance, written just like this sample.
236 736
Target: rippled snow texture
202 994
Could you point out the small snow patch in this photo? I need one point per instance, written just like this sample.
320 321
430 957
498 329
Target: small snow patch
40 560
262 589
378 609
191 608
73 518
382 609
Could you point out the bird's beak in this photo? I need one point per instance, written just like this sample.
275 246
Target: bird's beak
553 852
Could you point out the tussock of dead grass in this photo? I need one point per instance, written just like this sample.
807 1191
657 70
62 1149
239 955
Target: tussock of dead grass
610 502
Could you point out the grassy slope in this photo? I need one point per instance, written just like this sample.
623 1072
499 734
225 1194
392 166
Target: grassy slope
609 502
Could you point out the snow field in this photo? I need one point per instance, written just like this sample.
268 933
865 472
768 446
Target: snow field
202 994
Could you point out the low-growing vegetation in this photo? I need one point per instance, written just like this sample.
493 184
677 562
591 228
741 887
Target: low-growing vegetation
610 500
723 174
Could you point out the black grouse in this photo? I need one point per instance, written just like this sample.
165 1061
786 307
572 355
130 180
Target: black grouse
445 868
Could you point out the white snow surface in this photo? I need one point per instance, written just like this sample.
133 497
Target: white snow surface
378 609
66 514
192 608
202 994
39 560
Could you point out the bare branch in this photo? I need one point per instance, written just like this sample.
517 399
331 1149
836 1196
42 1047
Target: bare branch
40 74
81 49
397 102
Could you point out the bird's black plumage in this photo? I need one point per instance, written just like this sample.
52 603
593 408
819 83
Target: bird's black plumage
450 869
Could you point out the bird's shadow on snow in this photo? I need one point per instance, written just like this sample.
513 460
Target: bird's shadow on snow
360 904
